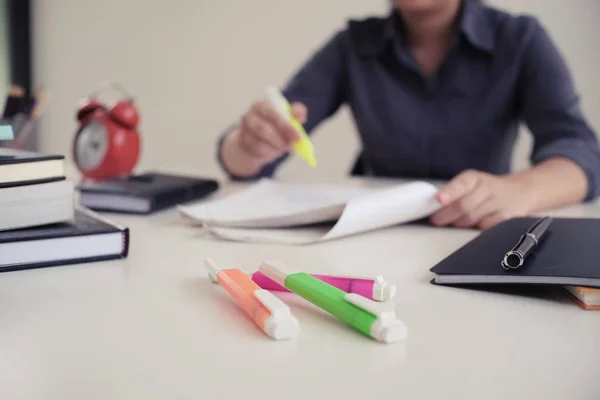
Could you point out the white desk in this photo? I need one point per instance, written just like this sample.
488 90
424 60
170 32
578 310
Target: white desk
152 327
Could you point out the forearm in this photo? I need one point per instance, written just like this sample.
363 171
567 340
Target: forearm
555 182
236 160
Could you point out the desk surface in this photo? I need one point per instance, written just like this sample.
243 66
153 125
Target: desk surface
152 327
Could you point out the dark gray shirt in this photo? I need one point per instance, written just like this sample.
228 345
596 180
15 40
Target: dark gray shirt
502 70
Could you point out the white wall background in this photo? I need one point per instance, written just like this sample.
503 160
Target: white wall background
194 66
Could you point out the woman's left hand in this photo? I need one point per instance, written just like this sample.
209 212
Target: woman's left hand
475 199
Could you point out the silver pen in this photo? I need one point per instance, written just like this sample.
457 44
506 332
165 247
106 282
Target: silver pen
515 258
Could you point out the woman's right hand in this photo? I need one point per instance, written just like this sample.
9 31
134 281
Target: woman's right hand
266 135
263 136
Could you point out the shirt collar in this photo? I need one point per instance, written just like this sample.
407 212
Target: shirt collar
475 27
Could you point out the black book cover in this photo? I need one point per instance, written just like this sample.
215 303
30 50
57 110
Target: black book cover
569 250
5 185
13 156
85 223
163 190
82 225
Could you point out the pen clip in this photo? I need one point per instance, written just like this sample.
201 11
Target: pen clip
383 311
271 302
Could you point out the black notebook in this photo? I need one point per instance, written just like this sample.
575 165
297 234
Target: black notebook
18 167
568 254
144 193
87 237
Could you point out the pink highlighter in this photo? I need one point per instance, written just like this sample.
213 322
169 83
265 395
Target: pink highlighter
377 289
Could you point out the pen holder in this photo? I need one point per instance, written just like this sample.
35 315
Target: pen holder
23 130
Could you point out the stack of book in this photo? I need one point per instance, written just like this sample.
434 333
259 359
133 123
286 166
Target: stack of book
40 224
587 298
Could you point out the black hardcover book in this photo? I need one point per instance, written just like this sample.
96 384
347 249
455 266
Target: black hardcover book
87 238
568 254
18 167
145 193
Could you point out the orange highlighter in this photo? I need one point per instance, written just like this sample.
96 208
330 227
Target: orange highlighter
268 312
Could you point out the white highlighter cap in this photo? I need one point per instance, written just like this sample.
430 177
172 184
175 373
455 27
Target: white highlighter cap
387 328
383 290
282 328
278 101
274 270
391 333
213 269
281 324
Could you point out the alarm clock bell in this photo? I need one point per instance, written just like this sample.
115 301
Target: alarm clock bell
107 142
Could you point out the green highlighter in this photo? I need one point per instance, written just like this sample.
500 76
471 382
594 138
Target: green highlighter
374 319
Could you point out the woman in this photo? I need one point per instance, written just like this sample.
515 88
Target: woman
437 91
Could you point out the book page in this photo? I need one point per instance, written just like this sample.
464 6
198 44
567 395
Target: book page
385 208
375 210
271 204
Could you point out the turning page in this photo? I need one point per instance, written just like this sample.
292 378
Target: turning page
274 212
272 204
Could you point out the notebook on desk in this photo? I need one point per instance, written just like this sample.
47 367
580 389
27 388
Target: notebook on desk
569 255
293 213
144 193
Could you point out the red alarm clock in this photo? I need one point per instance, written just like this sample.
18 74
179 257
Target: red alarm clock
107 142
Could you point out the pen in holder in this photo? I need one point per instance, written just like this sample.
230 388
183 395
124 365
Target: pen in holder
24 121
22 127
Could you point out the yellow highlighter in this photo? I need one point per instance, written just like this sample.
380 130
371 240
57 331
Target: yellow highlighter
303 146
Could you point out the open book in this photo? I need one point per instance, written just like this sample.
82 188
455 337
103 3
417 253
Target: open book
287 213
